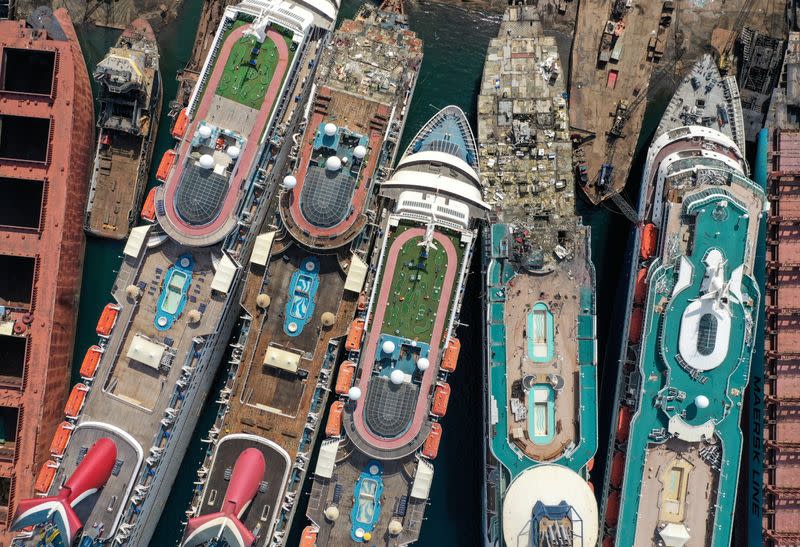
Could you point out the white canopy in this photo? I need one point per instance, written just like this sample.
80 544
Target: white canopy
327 458
674 535
262 248
356 275
136 240
422 480
223 277
282 359
145 351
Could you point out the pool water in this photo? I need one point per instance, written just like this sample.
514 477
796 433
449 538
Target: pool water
174 293
541 414
540 334
302 293
367 507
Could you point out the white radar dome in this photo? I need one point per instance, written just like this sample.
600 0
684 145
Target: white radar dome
388 346
233 151
204 131
397 376
354 393
423 363
360 151
330 129
289 182
333 163
206 161
701 401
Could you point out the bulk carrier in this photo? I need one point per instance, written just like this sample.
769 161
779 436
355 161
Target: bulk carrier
130 105
46 136
304 281
539 297
691 323
374 470
176 296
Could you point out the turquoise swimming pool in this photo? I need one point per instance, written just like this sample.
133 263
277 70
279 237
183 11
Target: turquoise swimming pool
541 414
302 296
367 507
541 345
174 293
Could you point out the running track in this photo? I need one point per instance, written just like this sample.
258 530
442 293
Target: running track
421 412
250 148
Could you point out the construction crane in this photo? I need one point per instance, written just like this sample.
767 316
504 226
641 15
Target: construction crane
726 55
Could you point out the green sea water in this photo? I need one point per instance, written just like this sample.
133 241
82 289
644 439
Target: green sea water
455 44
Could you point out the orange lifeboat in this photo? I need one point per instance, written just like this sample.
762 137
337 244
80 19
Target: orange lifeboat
165 166
309 537
345 379
635 331
333 428
649 241
440 398
617 469
75 401
90 362
45 477
640 291
353 341
431 447
612 509
450 359
181 123
624 424
149 207
107 319
61 438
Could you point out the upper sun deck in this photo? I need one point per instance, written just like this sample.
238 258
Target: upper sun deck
233 105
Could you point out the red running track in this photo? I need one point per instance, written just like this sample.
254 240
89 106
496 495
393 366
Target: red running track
368 359
250 147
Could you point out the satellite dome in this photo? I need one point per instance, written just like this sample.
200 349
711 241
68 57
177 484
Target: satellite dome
204 131
360 151
330 129
397 377
289 182
388 346
354 393
233 151
263 300
206 161
701 401
332 513
423 363
328 319
333 163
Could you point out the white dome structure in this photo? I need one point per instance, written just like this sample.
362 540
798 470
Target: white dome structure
423 363
397 377
360 151
206 161
330 129
233 151
289 182
354 393
333 163
701 401
332 513
395 527
388 346
204 131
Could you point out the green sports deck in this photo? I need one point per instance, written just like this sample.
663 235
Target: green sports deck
248 71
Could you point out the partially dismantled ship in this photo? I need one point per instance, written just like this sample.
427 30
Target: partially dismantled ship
130 95
539 290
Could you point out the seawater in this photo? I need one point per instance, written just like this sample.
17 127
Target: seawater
455 46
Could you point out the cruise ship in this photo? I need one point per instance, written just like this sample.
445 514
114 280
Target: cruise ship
176 296
539 301
303 284
692 312
374 471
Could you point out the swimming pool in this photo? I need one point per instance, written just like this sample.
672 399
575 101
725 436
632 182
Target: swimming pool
540 334
302 293
174 293
367 507
541 414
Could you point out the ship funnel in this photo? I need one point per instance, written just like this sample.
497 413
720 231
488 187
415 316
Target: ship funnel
89 477
225 526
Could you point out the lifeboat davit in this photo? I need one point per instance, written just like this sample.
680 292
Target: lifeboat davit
612 509
61 438
165 165
635 330
354 335
75 401
90 362
345 379
181 123
624 424
333 428
107 319
431 447
450 358
649 241
149 207
45 477
440 399
617 469
309 537
640 291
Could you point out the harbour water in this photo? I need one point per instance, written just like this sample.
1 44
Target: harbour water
455 44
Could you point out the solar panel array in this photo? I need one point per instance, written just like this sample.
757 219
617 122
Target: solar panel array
200 195
326 196
389 408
